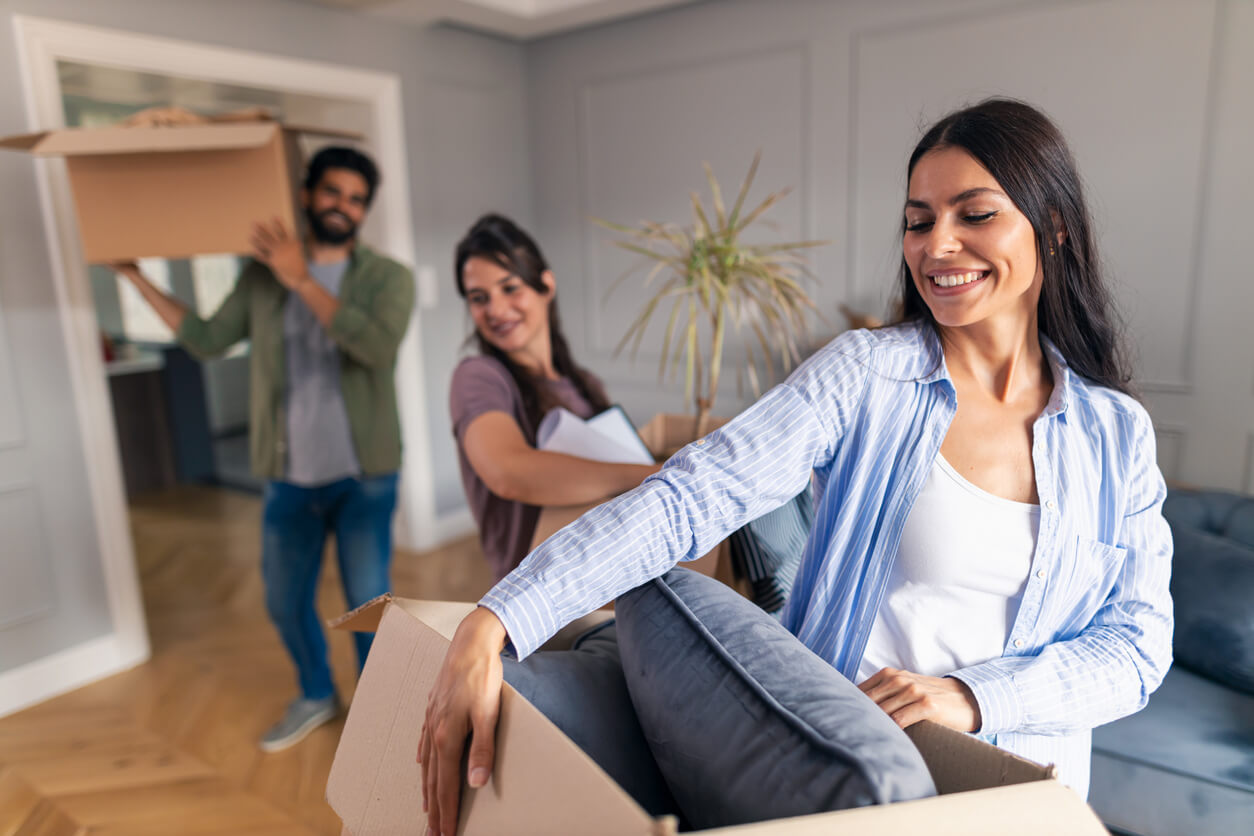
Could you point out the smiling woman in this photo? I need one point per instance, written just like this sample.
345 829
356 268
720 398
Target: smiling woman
989 551
524 368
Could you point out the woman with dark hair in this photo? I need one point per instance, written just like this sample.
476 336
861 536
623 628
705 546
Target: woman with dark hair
988 552
498 398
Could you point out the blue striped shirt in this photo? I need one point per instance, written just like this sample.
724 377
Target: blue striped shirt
867 414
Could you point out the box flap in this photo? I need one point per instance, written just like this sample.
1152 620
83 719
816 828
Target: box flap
318 130
441 616
364 619
1037 808
22 142
76 142
958 762
542 783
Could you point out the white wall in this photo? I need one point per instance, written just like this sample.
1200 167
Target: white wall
1153 94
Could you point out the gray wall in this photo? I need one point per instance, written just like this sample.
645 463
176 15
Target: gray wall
465 124
1155 97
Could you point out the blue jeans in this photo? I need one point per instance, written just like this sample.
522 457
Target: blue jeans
295 525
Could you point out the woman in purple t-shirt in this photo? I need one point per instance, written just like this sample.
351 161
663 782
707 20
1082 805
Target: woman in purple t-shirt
497 399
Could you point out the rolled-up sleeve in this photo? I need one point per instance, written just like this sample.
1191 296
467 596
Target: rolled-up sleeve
751 465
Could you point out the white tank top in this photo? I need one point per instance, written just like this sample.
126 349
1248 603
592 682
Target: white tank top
958 579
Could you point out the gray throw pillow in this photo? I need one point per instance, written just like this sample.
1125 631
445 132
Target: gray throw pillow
583 692
746 723
1212 587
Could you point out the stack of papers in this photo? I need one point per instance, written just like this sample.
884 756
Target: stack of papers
606 437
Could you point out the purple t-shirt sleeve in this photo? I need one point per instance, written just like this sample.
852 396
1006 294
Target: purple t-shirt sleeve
480 385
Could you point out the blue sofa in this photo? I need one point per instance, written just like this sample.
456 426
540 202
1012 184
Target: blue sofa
1184 766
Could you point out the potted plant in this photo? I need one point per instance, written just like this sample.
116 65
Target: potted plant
711 279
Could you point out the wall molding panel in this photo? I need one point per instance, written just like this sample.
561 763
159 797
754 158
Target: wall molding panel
606 131
1171 446
12 433
28 591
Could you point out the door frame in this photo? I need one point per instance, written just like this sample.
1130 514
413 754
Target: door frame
41 43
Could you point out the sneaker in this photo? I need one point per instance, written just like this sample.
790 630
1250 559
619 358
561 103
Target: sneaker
302 717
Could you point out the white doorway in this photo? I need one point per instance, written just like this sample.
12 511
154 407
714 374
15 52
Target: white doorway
50 51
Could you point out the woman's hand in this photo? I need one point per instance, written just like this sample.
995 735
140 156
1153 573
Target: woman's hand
911 697
466 700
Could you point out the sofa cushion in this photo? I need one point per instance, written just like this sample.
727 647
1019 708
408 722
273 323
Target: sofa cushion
583 692
1221 513
1183 765
1240 524
747 723
1212 585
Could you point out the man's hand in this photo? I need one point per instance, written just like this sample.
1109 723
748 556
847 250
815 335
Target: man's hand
911 697
282 252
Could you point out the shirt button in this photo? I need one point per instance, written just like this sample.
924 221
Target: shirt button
1040 573
1049 503
700 441
1018 642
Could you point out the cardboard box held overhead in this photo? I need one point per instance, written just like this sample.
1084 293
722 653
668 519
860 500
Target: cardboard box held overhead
176 191
544 785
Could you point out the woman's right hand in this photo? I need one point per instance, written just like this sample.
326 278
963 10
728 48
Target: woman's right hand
465 701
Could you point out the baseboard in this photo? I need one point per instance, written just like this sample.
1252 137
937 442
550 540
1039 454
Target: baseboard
66 670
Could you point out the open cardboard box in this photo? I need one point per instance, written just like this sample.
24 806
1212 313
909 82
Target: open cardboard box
176 191
544 785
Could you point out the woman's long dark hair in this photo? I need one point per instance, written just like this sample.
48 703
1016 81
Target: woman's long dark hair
500 240
1026 154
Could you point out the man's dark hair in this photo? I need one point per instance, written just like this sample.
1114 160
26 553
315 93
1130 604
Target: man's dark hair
339 156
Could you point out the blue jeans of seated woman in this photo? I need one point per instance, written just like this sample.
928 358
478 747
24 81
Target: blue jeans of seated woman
295 524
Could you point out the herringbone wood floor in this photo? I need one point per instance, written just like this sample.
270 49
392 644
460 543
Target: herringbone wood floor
170 747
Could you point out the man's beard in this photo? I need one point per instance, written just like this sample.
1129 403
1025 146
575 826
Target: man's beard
324 234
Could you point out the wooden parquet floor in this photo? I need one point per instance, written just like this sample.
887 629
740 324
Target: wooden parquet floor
170 747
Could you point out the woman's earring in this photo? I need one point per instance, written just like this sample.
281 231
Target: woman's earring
1051 250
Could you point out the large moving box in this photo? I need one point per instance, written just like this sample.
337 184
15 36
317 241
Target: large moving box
176 191
544 785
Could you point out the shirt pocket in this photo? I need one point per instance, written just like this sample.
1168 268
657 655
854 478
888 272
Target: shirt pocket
1088 580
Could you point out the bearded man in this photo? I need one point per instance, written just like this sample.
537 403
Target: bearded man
324 316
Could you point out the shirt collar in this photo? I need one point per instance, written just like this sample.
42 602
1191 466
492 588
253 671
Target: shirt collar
933 369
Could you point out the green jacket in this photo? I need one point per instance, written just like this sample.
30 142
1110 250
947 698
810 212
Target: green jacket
376 298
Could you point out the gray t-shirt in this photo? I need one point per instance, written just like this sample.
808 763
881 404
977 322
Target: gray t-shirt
483 384
319 440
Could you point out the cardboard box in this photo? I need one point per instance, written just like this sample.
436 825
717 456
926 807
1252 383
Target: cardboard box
666 432
176 191
716 564
544 785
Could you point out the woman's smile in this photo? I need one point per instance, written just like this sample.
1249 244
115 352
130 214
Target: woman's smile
971 252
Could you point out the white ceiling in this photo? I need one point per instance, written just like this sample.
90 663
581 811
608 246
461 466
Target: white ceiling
521 19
